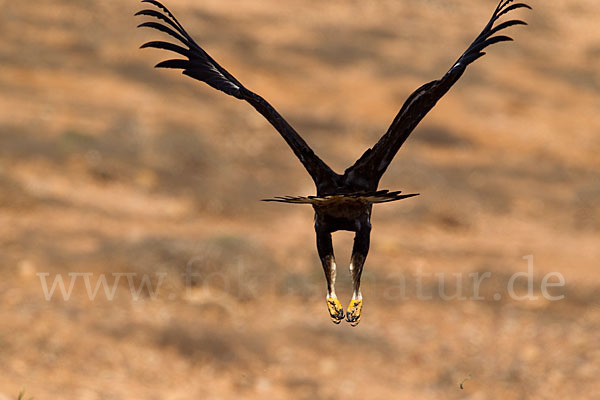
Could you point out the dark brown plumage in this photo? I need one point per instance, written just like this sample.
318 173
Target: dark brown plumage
343 201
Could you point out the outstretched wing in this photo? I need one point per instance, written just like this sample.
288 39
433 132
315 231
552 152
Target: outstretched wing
369 168
199 65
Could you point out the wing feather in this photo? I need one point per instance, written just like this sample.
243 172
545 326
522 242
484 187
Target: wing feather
199 65
372 164
167 46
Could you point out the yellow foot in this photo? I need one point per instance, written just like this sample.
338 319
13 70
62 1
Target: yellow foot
336 311
354 309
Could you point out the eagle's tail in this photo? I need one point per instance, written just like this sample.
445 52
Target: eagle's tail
379 196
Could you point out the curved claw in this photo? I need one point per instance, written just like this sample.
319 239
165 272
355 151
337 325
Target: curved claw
353 313
336 311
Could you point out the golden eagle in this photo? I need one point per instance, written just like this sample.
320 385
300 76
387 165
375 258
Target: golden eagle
343 201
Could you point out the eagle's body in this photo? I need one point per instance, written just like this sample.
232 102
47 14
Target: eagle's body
343 201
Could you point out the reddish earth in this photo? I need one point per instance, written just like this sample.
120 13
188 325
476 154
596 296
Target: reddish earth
109 166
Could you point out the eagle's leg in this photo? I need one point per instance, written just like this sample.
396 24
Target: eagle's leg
325 249
359 255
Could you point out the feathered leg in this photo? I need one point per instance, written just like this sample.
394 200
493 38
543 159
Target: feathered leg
359 255
325 249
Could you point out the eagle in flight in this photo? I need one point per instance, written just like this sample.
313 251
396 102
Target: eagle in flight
343 201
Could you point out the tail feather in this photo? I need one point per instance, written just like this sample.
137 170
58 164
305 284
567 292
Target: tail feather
379 196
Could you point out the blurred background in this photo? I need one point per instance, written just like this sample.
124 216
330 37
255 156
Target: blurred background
110 166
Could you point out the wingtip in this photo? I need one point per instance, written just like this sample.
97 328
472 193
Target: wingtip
276 198
168 64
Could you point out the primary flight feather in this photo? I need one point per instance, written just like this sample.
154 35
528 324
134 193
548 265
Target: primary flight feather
343 201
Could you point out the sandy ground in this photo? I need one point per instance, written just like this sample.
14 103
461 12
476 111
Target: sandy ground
111 169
